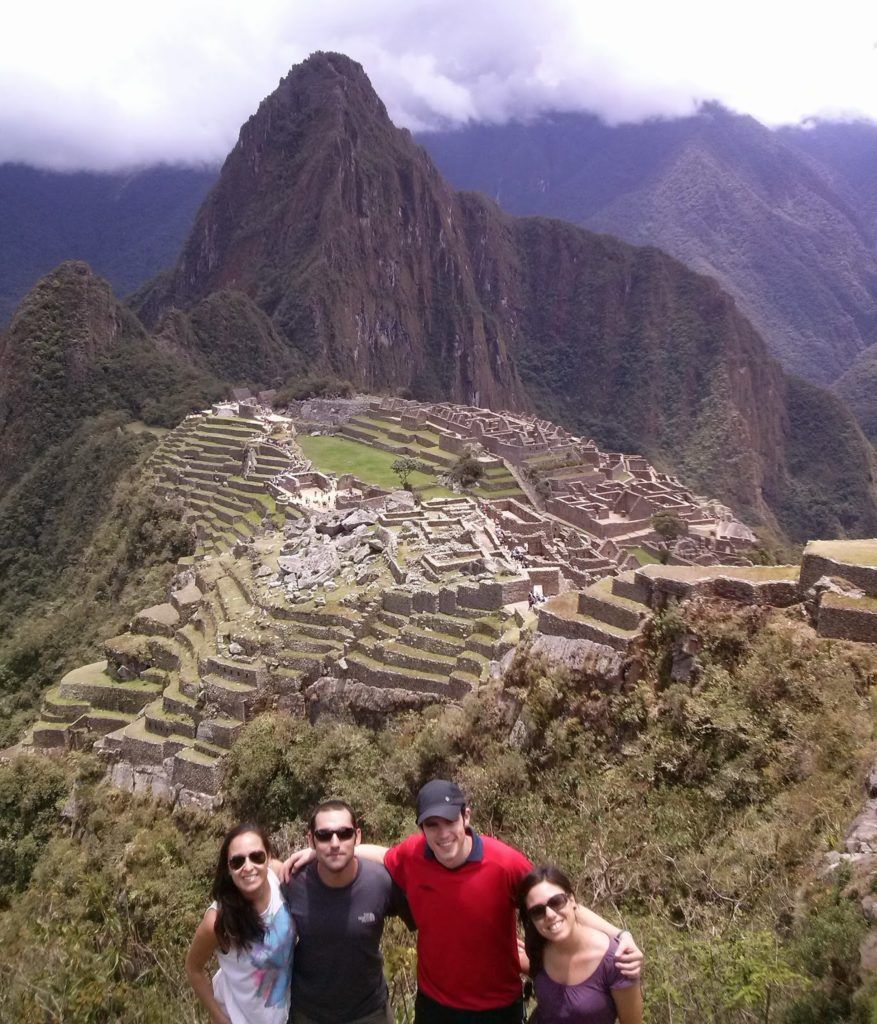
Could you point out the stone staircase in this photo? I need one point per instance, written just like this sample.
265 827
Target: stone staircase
427 642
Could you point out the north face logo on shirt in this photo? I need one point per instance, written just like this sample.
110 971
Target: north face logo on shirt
367 918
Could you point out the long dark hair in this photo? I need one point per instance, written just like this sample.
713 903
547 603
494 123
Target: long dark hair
534 943
238 923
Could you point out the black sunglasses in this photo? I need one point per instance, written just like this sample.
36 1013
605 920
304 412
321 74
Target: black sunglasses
557 902
324 835
239 859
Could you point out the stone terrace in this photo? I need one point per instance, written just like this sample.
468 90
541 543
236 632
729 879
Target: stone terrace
322 595
840 582
221 466
615 611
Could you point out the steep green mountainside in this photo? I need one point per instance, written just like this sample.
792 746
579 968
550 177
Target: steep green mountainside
226 334
73 351
78 376
719 191
847 151
693 811
126 225
369 267
858 388
626 345
86 544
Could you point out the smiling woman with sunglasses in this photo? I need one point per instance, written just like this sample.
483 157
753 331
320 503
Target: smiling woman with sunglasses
249 929
572 965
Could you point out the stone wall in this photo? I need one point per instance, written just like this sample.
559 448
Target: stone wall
815 566
843 623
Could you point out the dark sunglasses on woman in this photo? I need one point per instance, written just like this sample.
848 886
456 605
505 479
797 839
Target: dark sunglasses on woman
239 859
556 903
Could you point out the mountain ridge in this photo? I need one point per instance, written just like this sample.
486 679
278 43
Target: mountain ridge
332 238
719 191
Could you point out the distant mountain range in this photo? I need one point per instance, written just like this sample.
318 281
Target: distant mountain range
126 226
784 220
331 244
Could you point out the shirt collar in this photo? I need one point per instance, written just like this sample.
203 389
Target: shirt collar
475 854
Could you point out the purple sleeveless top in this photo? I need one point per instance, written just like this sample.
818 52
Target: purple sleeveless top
589 1002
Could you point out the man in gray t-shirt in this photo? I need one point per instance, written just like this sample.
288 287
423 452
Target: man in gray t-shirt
339 904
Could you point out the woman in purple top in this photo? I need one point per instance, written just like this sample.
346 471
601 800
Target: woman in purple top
572 965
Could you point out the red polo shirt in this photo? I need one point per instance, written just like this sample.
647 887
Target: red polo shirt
467 955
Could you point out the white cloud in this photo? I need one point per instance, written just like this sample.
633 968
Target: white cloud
102 83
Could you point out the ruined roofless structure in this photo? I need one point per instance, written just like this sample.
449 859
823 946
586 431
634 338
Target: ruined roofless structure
319 593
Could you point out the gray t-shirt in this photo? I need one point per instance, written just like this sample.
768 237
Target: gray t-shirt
339 970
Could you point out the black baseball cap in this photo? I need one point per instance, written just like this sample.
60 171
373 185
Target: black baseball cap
440 799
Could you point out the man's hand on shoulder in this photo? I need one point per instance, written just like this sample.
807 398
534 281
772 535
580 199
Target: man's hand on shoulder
294 863
629 958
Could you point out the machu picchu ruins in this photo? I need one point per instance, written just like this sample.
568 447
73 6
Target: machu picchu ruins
317 592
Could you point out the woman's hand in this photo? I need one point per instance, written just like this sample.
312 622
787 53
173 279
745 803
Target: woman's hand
629 958
294 863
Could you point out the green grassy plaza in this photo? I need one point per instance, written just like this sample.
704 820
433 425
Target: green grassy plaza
332 454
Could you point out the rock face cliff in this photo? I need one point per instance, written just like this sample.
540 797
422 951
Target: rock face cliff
340 228
770 214
366 264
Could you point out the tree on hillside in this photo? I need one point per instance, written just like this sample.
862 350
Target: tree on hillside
403 467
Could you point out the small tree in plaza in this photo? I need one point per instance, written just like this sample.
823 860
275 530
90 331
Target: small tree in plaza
403 467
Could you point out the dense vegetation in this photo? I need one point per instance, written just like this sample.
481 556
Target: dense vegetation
690 810
831 472
87 544
858 388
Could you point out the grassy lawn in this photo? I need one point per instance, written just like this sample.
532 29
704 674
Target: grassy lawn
643 557
339 455
751 573
858 604
852 552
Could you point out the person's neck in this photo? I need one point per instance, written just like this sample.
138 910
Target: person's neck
261 898
338 879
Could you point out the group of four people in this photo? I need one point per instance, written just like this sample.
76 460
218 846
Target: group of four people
311 927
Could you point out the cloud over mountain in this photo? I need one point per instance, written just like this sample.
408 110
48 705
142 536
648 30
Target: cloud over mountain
104 85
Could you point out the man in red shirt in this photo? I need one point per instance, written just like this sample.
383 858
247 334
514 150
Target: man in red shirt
461 888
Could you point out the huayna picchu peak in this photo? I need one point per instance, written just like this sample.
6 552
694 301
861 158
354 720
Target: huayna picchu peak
367 266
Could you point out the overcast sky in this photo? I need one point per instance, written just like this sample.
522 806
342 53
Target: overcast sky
107 83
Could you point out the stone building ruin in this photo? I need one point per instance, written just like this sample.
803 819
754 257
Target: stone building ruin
320 594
